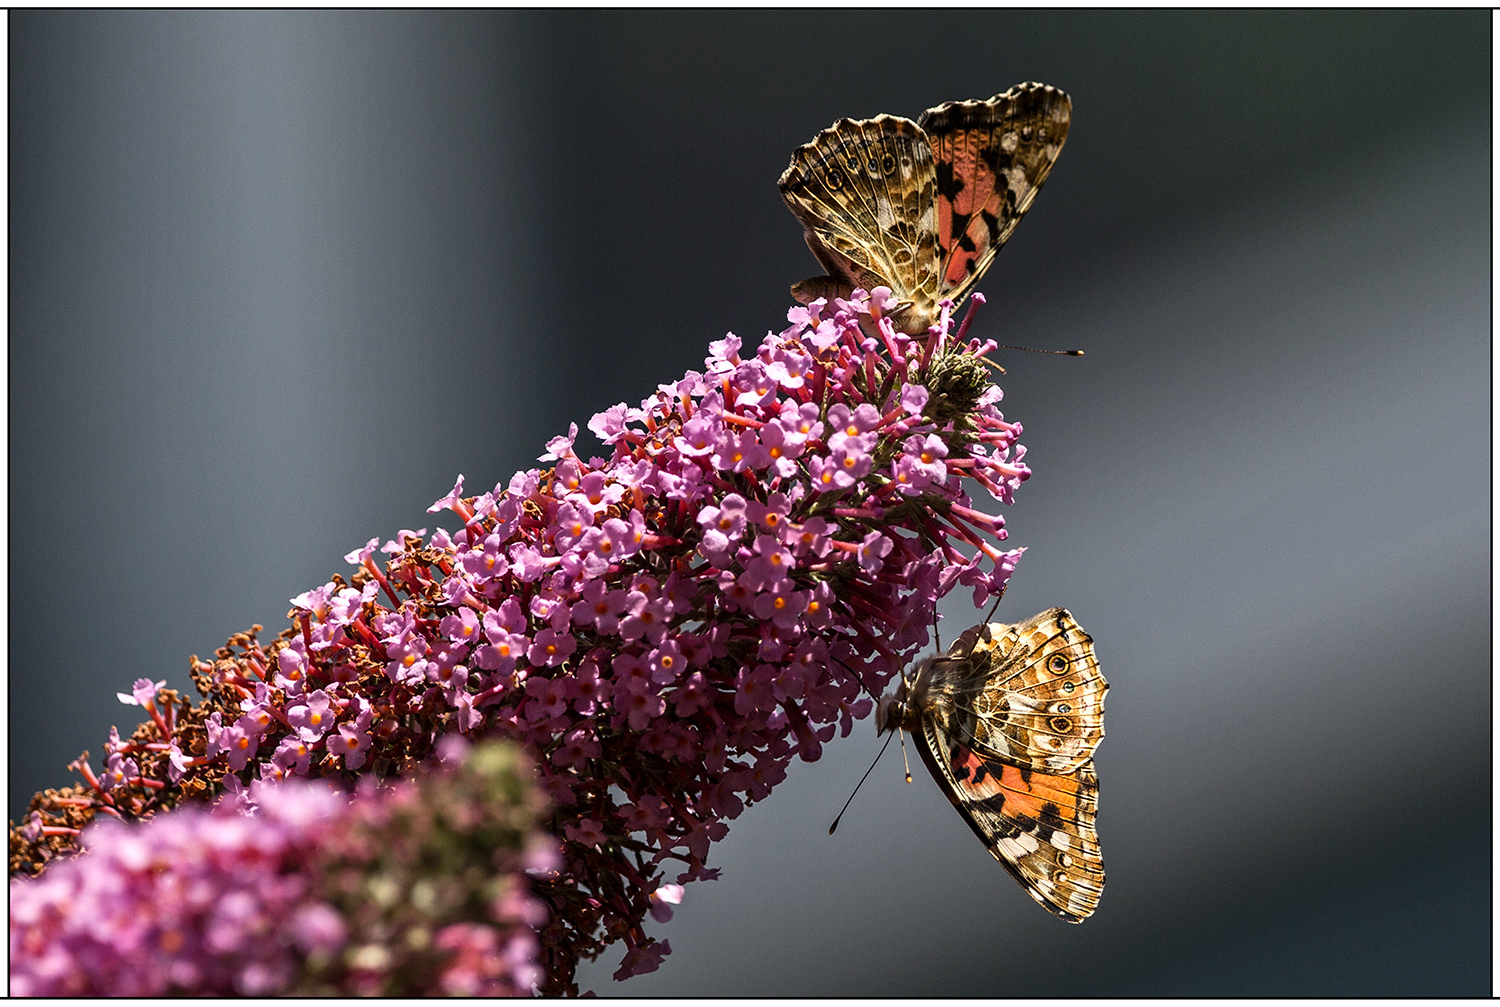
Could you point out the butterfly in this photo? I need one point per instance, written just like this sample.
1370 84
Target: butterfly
1007 722
922 207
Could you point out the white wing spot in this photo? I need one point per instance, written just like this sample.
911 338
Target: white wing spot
1018 846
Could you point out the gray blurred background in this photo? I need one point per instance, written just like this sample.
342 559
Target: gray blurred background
276 278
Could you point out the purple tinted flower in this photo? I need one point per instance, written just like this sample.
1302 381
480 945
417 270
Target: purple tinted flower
737 451
344 607
529 563
771 559
827 475
578 746
753 689
637 699
586 831
351 744
551 648
723 526
240 743
648 812
914 399
666 663
781 604
142 693
927 454
699 435
809 538
293 755
873 551
117 770
587 690
461 627
560 447
644 617
601 607
572 522
693 695
789 367
755 384
488 561
845 423
453 500
609 426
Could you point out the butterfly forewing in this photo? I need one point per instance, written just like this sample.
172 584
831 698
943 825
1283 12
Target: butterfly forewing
991 157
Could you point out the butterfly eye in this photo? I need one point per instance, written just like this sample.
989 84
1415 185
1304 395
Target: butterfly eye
835 179
1061 707
888 165
1067 687
1057 664
1060 725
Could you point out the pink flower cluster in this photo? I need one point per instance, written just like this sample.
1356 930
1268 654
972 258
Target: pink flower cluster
664 629
217 902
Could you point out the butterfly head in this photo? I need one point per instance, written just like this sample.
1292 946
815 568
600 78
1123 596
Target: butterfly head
899 709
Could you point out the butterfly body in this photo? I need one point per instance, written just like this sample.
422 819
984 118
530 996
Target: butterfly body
922 207
1007 722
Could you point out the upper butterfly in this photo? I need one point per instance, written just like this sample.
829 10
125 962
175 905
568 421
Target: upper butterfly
922 207
1007 722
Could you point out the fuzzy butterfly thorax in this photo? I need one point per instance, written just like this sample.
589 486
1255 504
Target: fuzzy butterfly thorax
922 207
1007 722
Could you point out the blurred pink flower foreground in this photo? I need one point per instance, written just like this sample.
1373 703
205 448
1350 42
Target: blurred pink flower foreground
664 629
267 894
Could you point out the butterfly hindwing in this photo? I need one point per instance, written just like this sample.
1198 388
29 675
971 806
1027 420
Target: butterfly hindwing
991 157
1039 826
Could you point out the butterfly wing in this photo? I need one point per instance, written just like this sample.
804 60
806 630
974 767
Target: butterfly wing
1040 827
864 191
991 157
1030 693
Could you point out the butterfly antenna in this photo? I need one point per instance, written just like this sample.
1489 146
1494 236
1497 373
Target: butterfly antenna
861 783
1029 349
904 761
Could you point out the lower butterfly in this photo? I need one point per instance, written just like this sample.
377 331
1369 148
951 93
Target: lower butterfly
1007 722
922 207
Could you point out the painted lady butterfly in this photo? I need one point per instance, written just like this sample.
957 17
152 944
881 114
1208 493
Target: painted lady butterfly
1007 722
922 207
